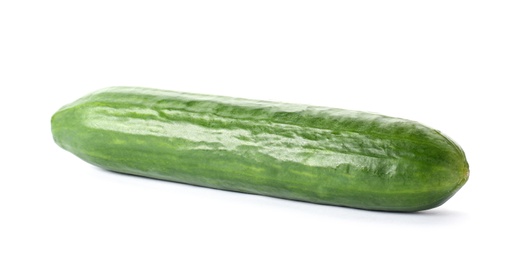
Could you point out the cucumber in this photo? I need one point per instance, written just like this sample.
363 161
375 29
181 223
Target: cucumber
298 152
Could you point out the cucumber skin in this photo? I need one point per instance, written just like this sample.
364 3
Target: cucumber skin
298 152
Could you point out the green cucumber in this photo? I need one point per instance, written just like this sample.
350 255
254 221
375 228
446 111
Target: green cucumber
306 153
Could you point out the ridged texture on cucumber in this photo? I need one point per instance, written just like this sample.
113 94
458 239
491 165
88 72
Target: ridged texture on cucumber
306 153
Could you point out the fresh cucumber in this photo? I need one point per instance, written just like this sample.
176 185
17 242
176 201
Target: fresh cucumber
298 152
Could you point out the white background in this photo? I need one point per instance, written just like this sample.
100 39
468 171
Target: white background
443 63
